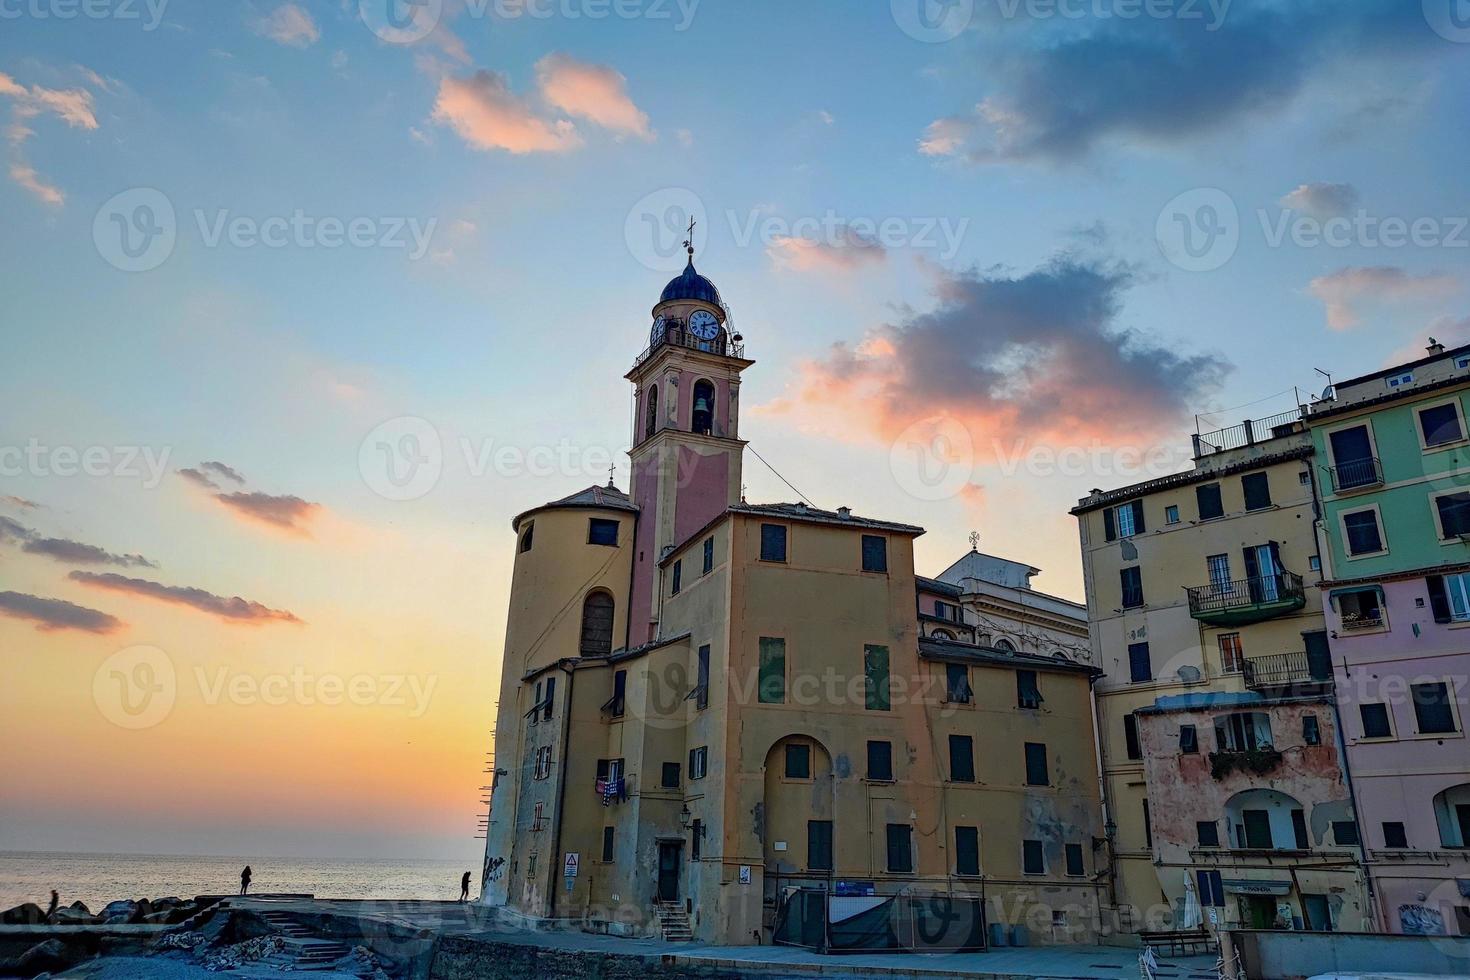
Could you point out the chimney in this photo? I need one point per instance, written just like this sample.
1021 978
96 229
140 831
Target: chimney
844 512
1435 348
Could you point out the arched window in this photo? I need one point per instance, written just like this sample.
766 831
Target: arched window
942 635
597 624
1452 812
1006 645
704 408
652 426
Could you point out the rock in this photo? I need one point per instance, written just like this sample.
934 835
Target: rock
50 956
73 916
29 914
157 918
173 901
80 907
123 907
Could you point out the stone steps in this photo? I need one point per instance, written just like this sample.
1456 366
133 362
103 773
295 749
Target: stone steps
673 922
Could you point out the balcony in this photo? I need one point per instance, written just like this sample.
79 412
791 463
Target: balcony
676 335
1274 671
1356 474
1248 600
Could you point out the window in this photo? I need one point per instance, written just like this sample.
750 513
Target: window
819 845
875 553
961 759
1360 529
1004 645
773 542
651 425
1211 888
1454 514
1208 499
1360 609
618 703
1036 768
526 538
1311 730
1132 580
709 556
1140 669
543 763
900 848
698 760
702 416
1449 597
1171 514
1148 826
772 670
1376 723
1345 833
798 761
609 770
1130 736
1232 656
1299 829
700 694
1257 489
1243 731
1394 835
967 850
1188 740
607 845
1124 521
1432 710
880 761
1208 832
1028 692
678 577
1218 567
1440 425
696 839
1399 380
957 684
550 701
1033 859
947 611
603 532
1074 861
1353 464
671 775
597 624
875 678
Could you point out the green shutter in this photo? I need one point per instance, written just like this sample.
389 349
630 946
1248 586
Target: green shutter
875 676
773 670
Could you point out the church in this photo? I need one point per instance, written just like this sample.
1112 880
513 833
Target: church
743 723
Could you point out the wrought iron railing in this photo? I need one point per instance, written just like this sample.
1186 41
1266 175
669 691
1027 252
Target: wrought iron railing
1219 597
1279 670
1247 433
677 336
1356 474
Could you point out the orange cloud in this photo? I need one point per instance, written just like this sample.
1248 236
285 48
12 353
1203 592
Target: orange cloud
280 512
1342 291
596 93
489 116
72 106
852 253
231 610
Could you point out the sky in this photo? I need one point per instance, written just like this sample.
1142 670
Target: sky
303 302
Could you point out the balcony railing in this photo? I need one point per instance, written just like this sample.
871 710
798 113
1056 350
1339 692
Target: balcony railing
1248 433
1355 474
675 335
1247 600
1277 670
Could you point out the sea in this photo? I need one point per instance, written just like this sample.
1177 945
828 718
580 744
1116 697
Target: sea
96 879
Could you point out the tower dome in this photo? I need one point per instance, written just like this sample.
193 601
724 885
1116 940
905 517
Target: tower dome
691 285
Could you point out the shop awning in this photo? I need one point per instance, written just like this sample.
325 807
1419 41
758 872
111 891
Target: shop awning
1247 886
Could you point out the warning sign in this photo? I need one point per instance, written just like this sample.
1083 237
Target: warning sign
573 860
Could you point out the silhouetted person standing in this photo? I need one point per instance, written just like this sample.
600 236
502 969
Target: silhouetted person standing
245 880
464 887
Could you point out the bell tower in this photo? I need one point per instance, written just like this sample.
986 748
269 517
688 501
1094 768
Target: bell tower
687 450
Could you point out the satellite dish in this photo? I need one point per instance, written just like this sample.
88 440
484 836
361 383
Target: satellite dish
1189 674
1129 550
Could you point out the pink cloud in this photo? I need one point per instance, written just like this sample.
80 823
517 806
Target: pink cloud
489 116
289 24
851 253
596 93
72 106
231 610
1343 291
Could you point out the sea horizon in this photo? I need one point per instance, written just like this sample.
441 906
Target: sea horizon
96 878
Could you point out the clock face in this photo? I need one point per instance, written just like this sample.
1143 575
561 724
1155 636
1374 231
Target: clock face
704 325
659 329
